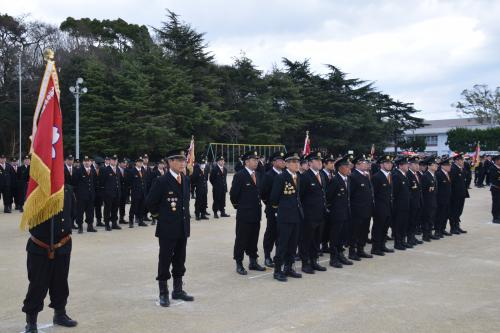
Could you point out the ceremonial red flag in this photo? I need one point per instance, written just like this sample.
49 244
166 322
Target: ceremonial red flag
476 160
190 156
307 145
45 195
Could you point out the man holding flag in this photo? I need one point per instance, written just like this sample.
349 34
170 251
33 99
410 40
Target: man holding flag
47 210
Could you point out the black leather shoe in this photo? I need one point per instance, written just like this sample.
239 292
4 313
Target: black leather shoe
179 293
198 218
434 237
317 267
269 262
164 301
206 213
280 276
131 224
462 231
446 233
80 229
74 227
426 238
223 214
362 254
400 247
387 250
204 217
216 215
306 268
254 266
31 328
344 260
108 227
62 319
354 256
335 263
289 271
99 224
377 252
90 228
142 224
407 245
240 269
122 221
116 227
146 218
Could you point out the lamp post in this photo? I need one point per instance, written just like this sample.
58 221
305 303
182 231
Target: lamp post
77 91
20 105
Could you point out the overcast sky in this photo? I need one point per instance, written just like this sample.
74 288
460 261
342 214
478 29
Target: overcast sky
423 51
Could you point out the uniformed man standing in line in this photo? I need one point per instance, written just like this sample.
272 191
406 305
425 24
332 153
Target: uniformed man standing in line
47 273
361 197
84 182
168 202
459 193
99 195
5 184
271 233
24 177
401 203
479 173
111 185
487 168
339 211
245 197
218 179
382 193
495 189
414 176
304 166
122 168
285 199
137 183
328 171
68 182
429 199
14 169
199 179
443 182
148 178
312 196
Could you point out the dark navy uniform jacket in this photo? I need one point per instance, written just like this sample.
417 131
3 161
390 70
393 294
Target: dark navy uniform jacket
285 198
245 197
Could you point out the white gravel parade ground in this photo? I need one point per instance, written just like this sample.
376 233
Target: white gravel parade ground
449 285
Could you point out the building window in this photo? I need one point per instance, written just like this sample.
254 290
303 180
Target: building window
431 140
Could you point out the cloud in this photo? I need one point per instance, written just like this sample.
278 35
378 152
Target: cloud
424 52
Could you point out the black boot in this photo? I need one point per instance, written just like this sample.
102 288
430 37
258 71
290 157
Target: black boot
179 293
116 226
289 271
198 217
62 319
108 227
80 229
31 323
131 222
306 267
269 262
278 273
334 260
377 251
240 269
223 214
343 259
353 255
317 267
90 228
216 215
254 265
362 254
141 223
99 223
163 286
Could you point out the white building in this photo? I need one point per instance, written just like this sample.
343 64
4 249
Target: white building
435 133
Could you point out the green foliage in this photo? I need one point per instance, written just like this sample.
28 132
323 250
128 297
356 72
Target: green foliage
149 93
462 139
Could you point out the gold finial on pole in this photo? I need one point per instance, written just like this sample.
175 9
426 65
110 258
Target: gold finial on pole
48 55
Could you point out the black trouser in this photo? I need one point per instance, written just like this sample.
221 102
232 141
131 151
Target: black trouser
400 225
23 188
455 211
271 234
360 227
379 230
172 253
98 206
336 235
413 221
200 203
111 209
44 275
219 203
85 205
325 233
137 207
123 202
288 236
247 237
309 241
428 217
7 196
495 204
442 215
